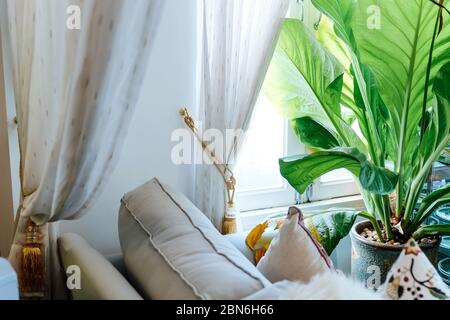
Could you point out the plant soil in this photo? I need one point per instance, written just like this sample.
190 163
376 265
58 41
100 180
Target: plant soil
370 234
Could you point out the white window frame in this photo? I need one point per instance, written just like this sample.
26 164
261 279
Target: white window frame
250 201
273 197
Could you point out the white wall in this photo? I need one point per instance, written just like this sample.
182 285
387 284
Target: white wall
169 85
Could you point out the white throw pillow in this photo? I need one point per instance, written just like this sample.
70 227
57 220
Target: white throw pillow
172 251
294 254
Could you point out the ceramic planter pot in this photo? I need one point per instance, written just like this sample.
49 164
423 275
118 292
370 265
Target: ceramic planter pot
371 261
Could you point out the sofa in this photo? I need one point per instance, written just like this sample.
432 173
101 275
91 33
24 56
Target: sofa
170 250
106 278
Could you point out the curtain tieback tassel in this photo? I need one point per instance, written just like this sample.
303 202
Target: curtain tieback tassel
32 272
230 222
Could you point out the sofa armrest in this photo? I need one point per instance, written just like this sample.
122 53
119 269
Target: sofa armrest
99 279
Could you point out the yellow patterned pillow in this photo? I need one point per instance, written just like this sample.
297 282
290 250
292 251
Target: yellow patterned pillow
259 238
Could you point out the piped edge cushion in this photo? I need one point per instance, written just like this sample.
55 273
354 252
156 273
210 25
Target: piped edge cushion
294 254
172 251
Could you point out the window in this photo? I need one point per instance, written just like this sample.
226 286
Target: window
259 183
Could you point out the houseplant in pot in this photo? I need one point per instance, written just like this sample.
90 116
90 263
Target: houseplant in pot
369 91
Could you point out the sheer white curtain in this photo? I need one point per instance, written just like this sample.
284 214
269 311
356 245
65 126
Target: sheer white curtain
239 38
75 92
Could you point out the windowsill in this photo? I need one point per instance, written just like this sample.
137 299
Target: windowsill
253 217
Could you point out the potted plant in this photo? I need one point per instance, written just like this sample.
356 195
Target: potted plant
369 91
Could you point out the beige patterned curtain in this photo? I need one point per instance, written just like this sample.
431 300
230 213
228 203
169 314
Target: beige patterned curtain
239 38
75 92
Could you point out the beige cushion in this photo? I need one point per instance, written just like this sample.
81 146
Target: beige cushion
172 251
238 240
99 279
294 254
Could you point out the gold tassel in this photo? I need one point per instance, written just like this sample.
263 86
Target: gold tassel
229 225
32 272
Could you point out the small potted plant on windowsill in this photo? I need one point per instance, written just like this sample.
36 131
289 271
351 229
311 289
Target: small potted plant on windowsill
370 92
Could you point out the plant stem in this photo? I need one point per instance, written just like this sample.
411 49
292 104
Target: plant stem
375 224
377 229
421 176
412 199
427 78
385 217
441 5
387 206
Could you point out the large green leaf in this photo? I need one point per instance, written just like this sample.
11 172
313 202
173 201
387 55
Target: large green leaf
441 88
341 12
429 205
300 74
378 109
305 80
435 195
335 33
365 107
397 51
435 139
313 134
302 171
433 230
437 132
331 226
328 38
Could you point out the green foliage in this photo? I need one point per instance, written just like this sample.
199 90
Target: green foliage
300 172
330 226
313 134
434 230
394 81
